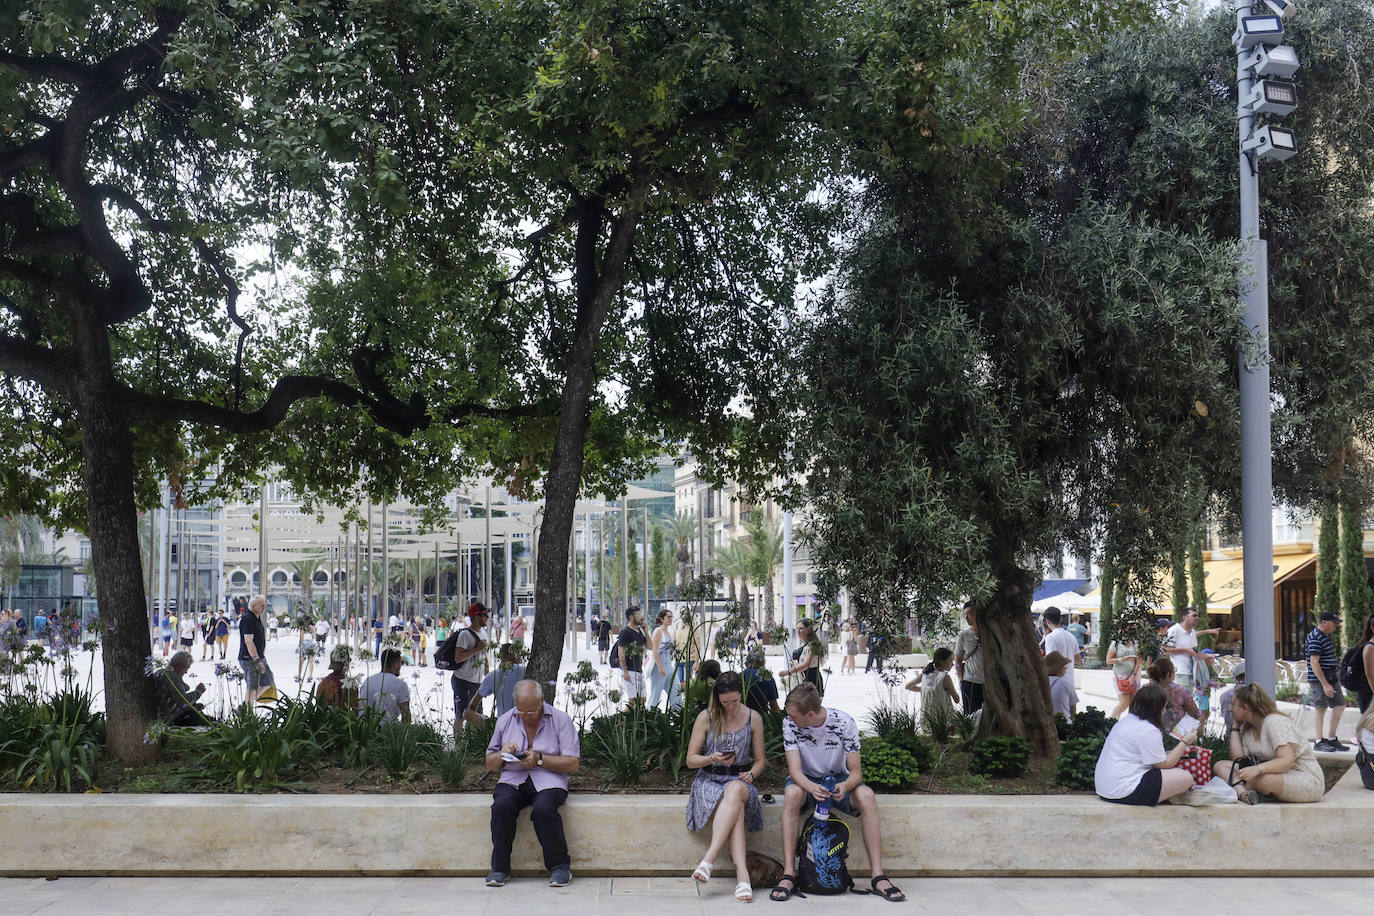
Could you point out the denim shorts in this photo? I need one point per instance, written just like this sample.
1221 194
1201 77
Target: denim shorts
843 804
255 678
1319 698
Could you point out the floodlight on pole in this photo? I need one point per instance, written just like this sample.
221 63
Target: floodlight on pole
1272 60
1272 97
1255 30
1283 8
1273 143
1261 61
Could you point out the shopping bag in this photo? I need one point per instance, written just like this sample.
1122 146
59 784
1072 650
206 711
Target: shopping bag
1198 761
1214 792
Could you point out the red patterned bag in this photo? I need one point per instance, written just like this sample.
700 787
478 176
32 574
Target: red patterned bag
1198 761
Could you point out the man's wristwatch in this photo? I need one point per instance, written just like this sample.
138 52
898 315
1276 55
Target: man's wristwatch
540 761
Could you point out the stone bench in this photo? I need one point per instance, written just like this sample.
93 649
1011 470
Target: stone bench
442 835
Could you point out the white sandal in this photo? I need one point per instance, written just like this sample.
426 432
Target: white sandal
744 893
702 872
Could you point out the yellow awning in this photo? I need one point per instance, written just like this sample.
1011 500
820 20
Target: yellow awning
1225 581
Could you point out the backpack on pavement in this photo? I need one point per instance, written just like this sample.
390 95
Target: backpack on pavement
822 851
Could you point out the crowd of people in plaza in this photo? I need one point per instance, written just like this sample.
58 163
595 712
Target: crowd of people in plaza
534 747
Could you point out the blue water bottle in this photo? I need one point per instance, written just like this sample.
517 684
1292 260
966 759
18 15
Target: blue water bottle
823 807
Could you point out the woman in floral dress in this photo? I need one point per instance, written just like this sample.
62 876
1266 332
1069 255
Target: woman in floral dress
727 751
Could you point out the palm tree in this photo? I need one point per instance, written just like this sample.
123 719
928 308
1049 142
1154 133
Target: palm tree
765 551
733 562
683 529
304 570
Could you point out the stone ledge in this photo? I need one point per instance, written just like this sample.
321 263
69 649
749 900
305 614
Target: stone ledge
952 835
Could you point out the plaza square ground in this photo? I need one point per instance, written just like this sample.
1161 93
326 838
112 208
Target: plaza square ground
666 896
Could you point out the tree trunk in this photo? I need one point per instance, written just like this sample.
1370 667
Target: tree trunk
597 285
768 602
112 523
1017 689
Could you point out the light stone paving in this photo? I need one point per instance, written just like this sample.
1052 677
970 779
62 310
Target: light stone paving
667 896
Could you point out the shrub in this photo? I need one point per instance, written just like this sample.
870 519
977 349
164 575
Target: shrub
245 751
621 743
450 764
397 745
64 757
887 766
889 718
1004 756
1078 762
1090 722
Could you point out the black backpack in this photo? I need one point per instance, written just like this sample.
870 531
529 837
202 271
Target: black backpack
822 850
1352 668
443 656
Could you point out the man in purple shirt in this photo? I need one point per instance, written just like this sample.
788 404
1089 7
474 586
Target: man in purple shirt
534 748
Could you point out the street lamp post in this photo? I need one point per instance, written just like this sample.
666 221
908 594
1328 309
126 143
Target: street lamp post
1263 64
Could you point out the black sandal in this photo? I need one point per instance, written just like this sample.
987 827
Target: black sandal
780 893
892 893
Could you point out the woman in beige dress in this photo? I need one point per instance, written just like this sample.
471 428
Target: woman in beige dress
1288 769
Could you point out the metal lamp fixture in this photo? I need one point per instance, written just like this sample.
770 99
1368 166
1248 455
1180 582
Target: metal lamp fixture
1254 30
1272 60
1274 143
1272 97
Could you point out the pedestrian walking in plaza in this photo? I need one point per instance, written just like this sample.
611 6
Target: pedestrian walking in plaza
1058 639
272 626
808 656
822 743
534 747
1323 681
849 638
629 650
1180 645
1124 657
1286 767
1133 768
662 661
468 654
968 662
222 635
187 631
257 676
207 636
727 751
603 640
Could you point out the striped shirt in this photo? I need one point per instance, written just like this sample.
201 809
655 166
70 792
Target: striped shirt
1319 644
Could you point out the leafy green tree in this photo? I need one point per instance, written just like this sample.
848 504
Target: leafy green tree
1355 592
1197 581
968 395
765 556
661 561
1106 620
733 562
1328 556
1178 564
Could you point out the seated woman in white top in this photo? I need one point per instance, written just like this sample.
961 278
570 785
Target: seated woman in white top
1133 768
